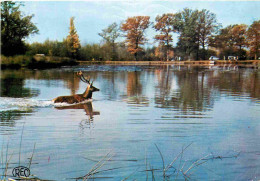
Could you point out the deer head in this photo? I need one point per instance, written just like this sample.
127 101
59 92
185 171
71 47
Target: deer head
88 93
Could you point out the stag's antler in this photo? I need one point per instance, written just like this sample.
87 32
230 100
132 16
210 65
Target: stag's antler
83 79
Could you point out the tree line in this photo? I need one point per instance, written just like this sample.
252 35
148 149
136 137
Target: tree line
199 37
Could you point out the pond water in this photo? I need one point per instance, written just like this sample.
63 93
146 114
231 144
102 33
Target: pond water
199 123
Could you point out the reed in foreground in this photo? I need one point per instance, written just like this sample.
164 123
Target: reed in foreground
176 169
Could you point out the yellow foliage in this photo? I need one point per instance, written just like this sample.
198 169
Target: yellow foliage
72 40
135 26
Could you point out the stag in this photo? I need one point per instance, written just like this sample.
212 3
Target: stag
78 98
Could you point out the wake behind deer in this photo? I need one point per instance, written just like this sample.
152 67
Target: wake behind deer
78 98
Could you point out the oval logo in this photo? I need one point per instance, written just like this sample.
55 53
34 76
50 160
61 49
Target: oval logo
21 171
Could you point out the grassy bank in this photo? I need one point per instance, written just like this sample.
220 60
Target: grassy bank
35 62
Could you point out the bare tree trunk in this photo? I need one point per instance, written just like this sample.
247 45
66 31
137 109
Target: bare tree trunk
167 54
203 48
113 51
136 45
136 56
167 50
197 55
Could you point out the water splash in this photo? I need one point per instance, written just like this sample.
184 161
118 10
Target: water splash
9 103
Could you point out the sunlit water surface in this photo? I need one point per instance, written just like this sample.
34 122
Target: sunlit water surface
141 120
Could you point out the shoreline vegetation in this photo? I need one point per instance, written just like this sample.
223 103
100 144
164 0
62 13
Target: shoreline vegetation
46 62
185 62
35 62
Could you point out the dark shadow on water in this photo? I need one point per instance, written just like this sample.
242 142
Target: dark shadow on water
14 87
8 119
86 106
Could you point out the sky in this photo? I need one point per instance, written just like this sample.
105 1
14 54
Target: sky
52 17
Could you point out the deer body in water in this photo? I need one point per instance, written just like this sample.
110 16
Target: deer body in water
77 98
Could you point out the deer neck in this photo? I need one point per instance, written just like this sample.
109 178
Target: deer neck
88 93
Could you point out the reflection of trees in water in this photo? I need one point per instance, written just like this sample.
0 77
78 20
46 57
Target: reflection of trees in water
111 82
140 100
14 87
13 81
237 82
197 87
73 83
164 77
113 85
193 89
253 84
7 118
193 94
190 92
134 87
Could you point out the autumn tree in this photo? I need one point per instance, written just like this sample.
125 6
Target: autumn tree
223 39
238 33
159 52
73 43
15 27
134 28
110 34
253 35
231 40
164 26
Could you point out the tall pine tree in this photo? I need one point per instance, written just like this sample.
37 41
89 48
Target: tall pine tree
73 43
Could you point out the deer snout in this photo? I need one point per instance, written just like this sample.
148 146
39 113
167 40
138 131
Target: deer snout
95 89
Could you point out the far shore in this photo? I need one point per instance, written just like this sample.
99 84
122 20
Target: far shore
200 62
56 62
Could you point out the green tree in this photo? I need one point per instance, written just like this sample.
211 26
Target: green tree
91 52
48 47
110 34
206 26
195 28
73 43
185 23
15 27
